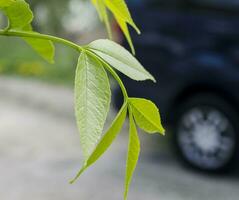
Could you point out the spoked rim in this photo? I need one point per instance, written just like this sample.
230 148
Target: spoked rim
206 137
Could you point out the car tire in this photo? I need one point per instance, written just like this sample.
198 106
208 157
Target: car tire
206 132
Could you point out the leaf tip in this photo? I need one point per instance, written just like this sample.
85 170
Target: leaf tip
78 174
132 49
135 27
162 131
154 80
72 181
137 30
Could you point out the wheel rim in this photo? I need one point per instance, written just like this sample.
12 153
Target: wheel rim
206 137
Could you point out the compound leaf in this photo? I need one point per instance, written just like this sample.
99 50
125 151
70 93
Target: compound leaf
106 140
119 58
133 154
92 100
146 115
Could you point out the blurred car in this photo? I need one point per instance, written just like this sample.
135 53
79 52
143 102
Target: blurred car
192 49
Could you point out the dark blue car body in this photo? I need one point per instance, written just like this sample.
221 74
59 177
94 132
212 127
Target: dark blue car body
188 50
192 49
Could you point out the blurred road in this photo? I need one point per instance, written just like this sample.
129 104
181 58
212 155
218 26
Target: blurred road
39 153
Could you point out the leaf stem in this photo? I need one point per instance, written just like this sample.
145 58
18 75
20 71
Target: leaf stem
16 33
113 73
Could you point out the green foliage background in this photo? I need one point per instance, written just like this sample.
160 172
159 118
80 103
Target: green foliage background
24 62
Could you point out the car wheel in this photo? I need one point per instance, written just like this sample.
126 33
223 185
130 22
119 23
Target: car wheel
205 130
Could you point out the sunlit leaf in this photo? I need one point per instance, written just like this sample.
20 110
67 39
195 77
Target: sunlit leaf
19 14
102 11
96 4
146 115
119 58
133 154
6 3
120 9
125 30
106 140
20 17
45 48
92 100
121 14
92 89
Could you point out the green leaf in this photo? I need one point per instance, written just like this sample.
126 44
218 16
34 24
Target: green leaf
20 17
120 9
119 58
92 100
122 16
106 140
19 14
97 3
101 9
45 48
133 154
125 30
146 115
6 3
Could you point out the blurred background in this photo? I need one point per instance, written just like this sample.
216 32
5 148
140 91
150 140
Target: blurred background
190 46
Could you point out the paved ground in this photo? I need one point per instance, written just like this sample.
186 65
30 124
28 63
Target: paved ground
39 153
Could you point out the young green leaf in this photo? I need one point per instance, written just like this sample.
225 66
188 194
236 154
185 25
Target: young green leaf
96 3
125 30
146 115
6 3
19 14
133 153
120 9
92 100
122 16
20 17
119 58
45 48
106 140
101 9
